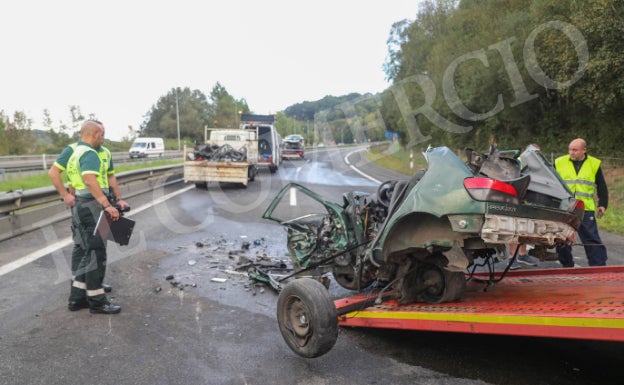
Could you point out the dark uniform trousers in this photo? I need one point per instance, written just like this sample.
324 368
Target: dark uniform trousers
88 262
594 248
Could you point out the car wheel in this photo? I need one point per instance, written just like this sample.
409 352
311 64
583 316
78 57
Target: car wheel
307 317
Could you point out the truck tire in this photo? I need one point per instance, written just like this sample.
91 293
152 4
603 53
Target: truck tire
251 174
201 185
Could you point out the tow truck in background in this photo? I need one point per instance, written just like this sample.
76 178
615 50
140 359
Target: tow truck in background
423 254
293 147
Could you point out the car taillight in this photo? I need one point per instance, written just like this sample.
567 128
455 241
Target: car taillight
491 190
579 205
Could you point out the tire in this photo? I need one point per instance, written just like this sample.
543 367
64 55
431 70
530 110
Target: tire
307 318
201 185
251 174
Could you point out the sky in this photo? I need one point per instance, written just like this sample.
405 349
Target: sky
115 59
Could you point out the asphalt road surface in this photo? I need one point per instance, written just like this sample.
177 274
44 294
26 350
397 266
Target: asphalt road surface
190 317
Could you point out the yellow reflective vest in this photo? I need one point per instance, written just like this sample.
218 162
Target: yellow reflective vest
74 173
583 184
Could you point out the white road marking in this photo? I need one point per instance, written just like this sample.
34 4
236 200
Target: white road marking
346 160
293 196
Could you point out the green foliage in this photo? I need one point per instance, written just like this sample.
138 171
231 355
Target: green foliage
225 110
16 137
194 111
189 108
613 220
335 119
487 41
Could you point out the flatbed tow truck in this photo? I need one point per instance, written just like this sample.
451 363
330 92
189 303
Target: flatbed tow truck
579 303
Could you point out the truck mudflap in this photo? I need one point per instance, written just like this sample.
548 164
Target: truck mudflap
578 303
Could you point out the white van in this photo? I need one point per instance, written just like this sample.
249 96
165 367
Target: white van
269 141
144 147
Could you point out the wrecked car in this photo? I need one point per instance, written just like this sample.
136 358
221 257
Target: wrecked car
416 239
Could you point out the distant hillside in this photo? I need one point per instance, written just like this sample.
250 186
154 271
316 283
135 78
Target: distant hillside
306 110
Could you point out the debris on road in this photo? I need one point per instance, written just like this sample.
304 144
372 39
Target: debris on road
250 263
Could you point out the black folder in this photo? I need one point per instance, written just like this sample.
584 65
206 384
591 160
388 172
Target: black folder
117 231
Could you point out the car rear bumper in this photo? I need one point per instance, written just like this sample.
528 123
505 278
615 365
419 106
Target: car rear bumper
507 229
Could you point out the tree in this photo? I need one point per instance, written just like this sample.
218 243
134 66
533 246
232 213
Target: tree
189 107
17 137
479 47
225 109
59 139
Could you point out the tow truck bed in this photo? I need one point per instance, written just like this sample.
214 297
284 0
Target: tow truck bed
579 303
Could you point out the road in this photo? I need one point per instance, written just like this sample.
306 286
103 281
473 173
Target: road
191 330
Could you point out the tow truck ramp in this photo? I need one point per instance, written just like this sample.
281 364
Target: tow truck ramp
579 303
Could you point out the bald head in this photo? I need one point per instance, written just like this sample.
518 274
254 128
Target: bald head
92 132
577 149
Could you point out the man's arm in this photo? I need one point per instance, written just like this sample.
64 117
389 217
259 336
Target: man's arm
55 176
112 183
602 192
94 188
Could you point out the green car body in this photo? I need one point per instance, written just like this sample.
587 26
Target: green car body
419 236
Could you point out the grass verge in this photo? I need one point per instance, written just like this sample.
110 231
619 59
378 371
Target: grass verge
41 179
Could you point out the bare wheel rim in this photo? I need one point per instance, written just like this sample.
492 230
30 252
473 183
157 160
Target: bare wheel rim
297 320
433 280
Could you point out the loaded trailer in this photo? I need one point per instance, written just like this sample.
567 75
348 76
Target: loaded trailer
579 303
228 156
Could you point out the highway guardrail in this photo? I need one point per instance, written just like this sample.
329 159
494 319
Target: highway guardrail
22 163
22 211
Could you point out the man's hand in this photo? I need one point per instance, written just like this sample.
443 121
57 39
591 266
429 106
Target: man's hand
122 204
70 200
112 212
600 212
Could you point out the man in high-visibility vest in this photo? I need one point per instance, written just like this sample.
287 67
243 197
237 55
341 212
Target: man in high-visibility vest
583 175
68 196
87 172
